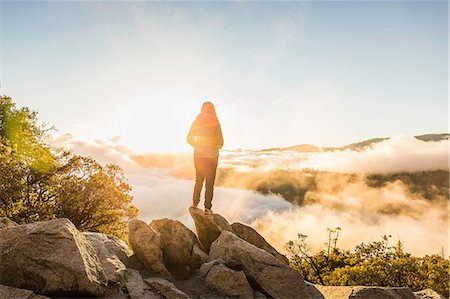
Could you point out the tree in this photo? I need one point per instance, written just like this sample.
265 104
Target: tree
94 198
20 130
40 183
372 264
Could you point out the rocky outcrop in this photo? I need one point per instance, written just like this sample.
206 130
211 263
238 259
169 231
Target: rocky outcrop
53 258
113 254
5 222
250 235
180 247
428 294
365 292
266 273
167 289
228 282
50 257
7 292
146 245
208 226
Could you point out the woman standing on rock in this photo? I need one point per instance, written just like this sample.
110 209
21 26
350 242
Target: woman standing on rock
205 136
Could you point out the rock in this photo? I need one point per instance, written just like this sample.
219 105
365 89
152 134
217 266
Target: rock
180 247
313 291
198 256
208 227
113 254
166 288
228 282
237 252
365 292
259 295
265 272
7 292
204 269
146 244
428 294
137 288
253 237
50 257
5 222
280 282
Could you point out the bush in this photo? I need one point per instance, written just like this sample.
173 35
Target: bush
372 264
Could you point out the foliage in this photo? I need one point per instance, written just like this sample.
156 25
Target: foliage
40 183
97 198
20 129
370 264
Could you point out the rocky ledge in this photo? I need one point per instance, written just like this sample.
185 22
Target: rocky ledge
164 259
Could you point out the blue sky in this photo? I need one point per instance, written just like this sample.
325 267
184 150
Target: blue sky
280 73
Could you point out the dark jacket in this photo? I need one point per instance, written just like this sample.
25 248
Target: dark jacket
205 136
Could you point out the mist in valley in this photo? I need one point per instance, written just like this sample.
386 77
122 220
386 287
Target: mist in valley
396 187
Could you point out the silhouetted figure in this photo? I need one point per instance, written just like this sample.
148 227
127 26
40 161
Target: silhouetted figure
205 136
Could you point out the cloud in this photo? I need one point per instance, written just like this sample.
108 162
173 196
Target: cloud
397 154
425 235
104 151
158 194
363 212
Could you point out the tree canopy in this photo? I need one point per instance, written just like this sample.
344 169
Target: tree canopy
42 183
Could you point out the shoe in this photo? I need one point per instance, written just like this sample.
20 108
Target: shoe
208 211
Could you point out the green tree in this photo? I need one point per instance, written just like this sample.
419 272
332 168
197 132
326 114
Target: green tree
20 130
42 183
372 264
94 198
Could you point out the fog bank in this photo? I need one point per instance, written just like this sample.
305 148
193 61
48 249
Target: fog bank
364 213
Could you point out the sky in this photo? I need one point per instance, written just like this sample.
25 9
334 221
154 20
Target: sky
279 73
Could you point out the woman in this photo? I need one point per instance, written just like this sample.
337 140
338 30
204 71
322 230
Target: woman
205 136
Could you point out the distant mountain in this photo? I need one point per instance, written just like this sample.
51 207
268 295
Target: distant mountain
357 146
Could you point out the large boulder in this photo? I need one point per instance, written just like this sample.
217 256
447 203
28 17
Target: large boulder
365 292
208 226
7 292
113 254
167 289
180 247
250 235
5 222
146 244
228 282
265 272
50 257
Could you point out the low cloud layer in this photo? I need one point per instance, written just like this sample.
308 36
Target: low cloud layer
364 213
397 154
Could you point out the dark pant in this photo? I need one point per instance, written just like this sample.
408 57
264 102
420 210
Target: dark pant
205 169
